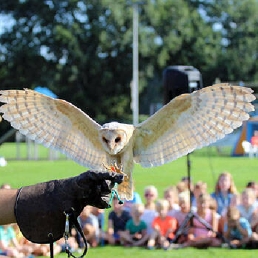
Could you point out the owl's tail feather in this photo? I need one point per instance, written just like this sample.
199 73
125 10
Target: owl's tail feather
125 189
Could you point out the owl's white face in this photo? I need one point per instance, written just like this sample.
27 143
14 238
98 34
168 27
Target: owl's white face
113 140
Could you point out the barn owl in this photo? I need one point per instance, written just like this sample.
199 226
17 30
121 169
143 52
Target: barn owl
187 122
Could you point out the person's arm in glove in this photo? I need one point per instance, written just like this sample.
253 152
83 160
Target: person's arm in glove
39 209
7 202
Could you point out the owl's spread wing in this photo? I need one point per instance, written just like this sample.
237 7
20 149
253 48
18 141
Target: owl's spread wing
191 121
54 123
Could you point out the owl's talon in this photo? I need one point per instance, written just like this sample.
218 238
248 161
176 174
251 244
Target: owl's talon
115 168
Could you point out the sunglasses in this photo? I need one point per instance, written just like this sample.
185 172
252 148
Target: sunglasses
148 195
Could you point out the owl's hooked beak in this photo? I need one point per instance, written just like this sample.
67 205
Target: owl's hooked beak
111 146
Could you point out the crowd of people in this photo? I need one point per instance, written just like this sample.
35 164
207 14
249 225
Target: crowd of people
185 216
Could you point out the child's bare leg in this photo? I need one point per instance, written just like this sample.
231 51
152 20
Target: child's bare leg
254 236
125 237
152 240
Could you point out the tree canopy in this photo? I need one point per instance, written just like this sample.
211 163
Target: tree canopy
82 50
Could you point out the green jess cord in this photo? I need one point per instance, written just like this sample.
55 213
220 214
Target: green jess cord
113 194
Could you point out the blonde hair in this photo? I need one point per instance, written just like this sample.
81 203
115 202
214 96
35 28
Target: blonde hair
213 204
181 186
201 185
249 192
204 197
233 213
162 203
173 190
184 196
137 207
235 199
232 188
151 188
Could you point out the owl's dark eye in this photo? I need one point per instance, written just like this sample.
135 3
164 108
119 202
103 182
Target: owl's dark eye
118 139
104 139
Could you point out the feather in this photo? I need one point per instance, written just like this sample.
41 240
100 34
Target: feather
186 123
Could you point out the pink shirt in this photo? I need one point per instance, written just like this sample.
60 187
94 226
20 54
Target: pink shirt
180 216
199 229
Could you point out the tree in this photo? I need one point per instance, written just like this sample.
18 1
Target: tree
73 48
176 34
82 50
237 23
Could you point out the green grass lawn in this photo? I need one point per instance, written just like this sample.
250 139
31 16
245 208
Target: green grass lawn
206 165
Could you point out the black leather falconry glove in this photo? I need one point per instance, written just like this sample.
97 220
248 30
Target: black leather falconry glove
40 209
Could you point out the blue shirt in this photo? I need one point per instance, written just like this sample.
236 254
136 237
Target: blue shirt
119 222
222 201
136 199
6 234
235 233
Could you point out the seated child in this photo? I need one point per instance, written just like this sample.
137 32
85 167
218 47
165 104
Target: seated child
247 207
254 226
164 227
117 220
237 230
199 188
249 210
171 195
36 249
205 225
90 226
100 215
149 213
129 203
224 190
180 215
136 229
234 202
253 185
181 187
9 244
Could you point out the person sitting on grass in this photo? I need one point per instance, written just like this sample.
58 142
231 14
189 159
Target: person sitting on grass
180 216
117 220
224 190
181 187
34 248
100 215
90 226
199 188
248 206
129 203
164 227
150 197
9 245
136 229
234 202
249 210
254 226
171 195
201 236
253 185
237 230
